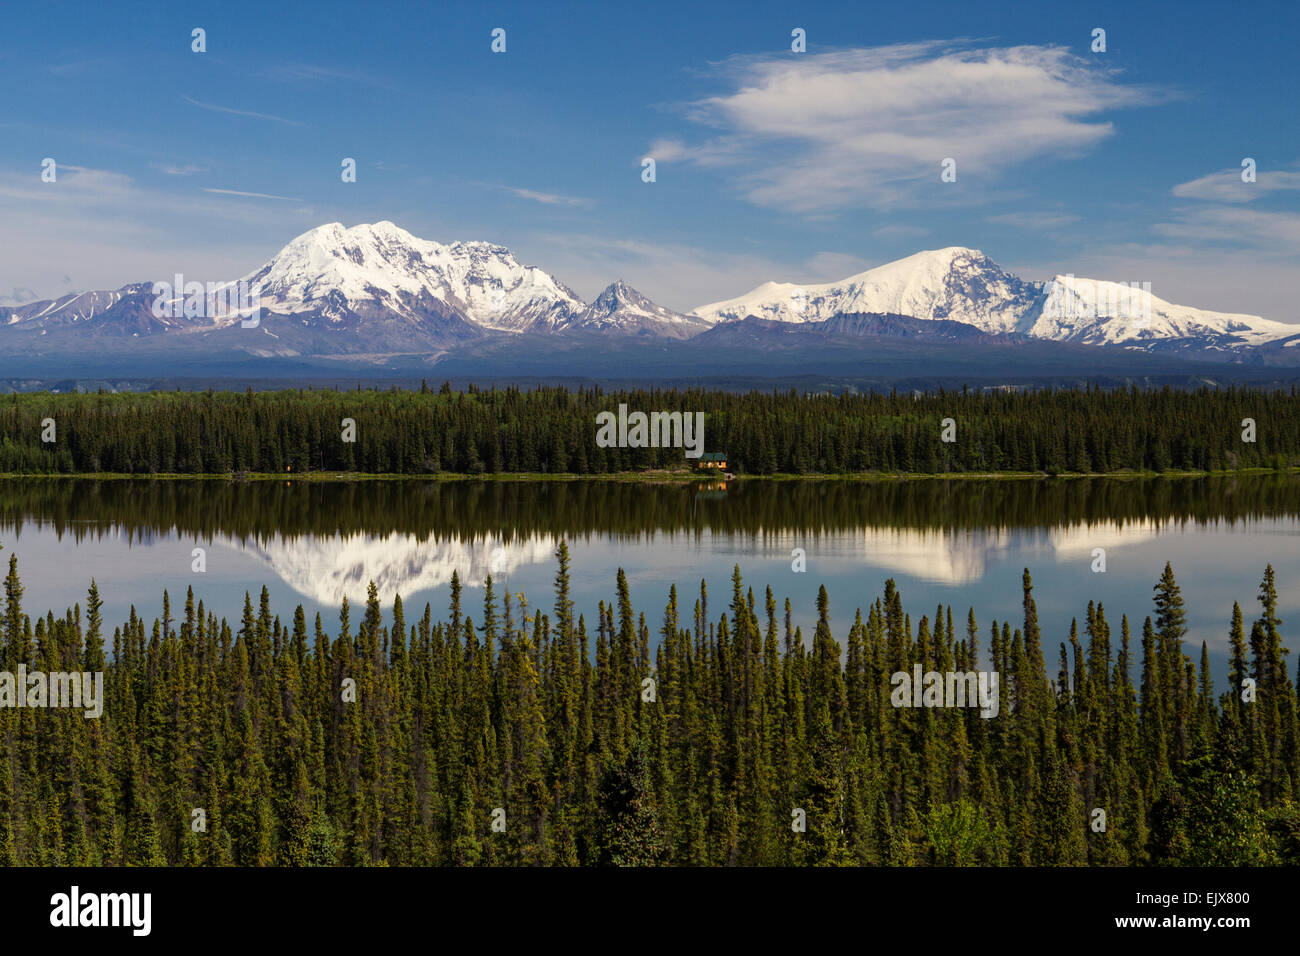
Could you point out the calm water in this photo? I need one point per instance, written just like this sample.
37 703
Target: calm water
953 543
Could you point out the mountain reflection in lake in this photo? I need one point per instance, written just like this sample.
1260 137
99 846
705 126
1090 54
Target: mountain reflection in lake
958 543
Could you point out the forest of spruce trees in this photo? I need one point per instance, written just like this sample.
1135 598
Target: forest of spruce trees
509 734
552 430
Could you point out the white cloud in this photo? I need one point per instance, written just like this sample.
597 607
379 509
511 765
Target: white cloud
549 199
1226 185
78 67
227 109
237 192
870 127
172 169
712 153
18 295
72 184
1266 230
899 231
107 230
1255 248
1035 221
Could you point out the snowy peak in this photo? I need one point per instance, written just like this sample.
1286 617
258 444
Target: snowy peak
382 266
966 286
340 275
373 287
619 293
621 308
70 309
619 297
1100 312
376 289
953 283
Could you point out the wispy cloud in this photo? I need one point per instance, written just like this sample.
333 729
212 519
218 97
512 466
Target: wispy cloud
866 127
313 73
237 192
77 67
1268 231
1035 221
113 199
173 170
72 184
107 230
1226 185
549 199
1218 215
227 109
18 295
899 231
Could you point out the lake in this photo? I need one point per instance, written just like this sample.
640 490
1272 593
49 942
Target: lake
952 542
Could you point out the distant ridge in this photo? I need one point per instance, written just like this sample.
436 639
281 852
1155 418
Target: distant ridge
376 290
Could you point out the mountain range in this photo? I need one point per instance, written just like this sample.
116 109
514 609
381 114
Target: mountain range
375 291
964 285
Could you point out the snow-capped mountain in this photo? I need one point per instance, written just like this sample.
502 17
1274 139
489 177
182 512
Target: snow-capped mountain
954 283
1097 312
117 313
376 290
71 308
966 286
371 288
620 308
336 272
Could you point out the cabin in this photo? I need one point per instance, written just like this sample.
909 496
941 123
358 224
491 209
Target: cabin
712 461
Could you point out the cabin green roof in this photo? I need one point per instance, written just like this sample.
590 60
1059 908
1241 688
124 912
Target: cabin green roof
713 456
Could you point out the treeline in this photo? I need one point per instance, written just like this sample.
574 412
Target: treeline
553 431
523 736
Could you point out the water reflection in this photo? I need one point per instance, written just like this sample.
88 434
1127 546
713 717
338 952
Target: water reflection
328 569
958 543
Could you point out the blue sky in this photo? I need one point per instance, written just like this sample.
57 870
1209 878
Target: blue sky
805 167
